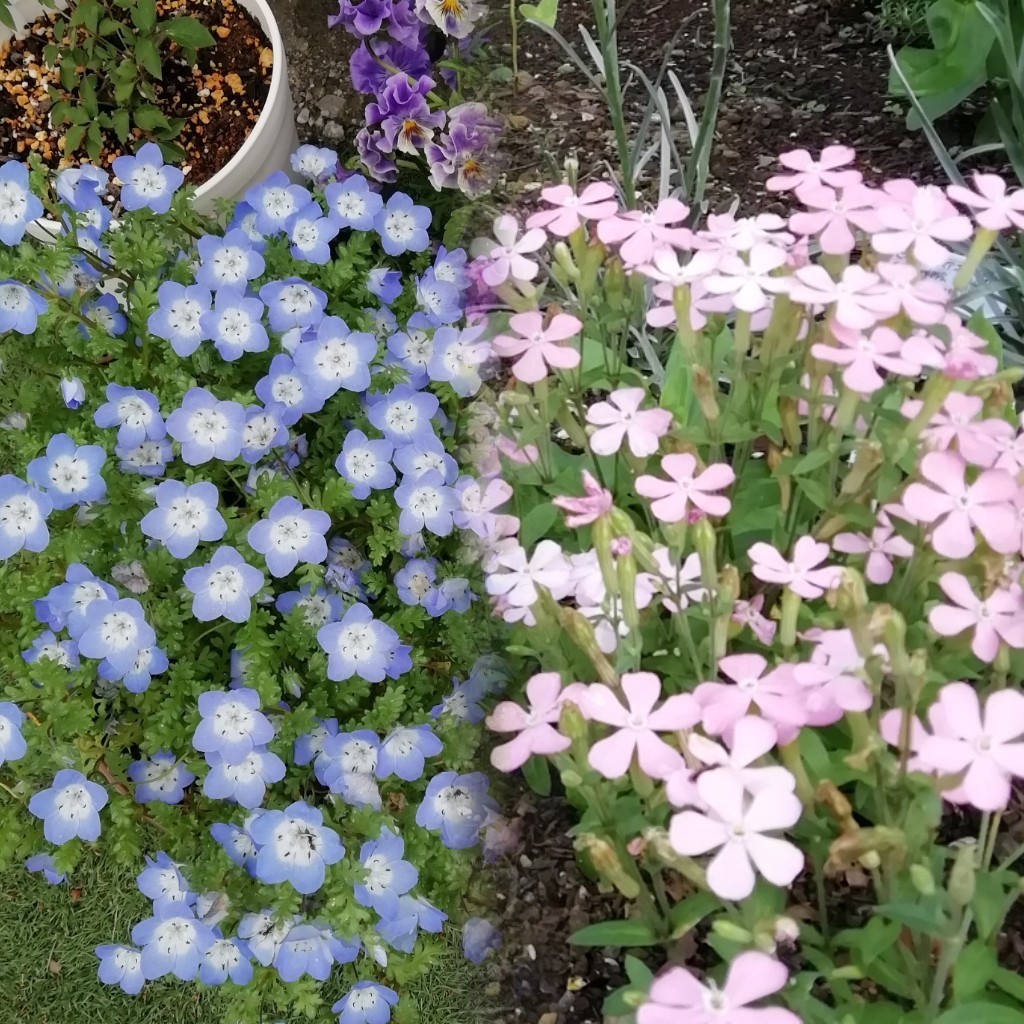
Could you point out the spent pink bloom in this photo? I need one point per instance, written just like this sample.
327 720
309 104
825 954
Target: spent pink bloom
834 216
979 441
859 299
959 508
596 502
986 744
923 299
621 418
752 738
804 575
570 210
994 619
735 824
830 169
515 577
862 355
640 234
749 613
994 208
539 346
673 498
881 548
637 726
535 724
507 259
922 229
749 283
677 997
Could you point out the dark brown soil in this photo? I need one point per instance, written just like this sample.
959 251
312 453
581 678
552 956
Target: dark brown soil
220 99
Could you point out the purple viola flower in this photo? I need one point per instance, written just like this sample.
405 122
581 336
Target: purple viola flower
106 314
226 958
452 595
304 950
317 607
136 414
310 745
20 307
149 662
72 392
403 414
46 647
275 202
172 941
245 782
12 743
149 458
293 303
370 67
405 750
235 324
295 847
361 17
427 504
406 121
162 881
236 843
162 779
114 631
413 913
231 261
457 358
479 937
184 516
69 808
387 876
365 463
178 318
369 145
358 645
18 205
426 455
366 1003
415 580
289 389
121 966
224 586
385 283
43 863
402 225
314 163
206 428
352 203
290 534
311 234
146 182
439 300
457 806
459 159
263 431
232 724
336 358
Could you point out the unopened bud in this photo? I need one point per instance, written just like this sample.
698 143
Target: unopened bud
622 546
731 932
601 531
705 393
785 482
565 262
571 779
571 722
790 422
870 860
922 879
614 280
582 633
626 575
606 863
850 596
961 875
706 544
868 459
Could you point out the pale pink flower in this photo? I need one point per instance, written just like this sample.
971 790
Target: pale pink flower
827 170
863 354
923 299
527 455
922 228
534 724
994 619
858 298
749 283
752 738
734 825
681 789
959 508
478 500
743 233
507 259
994 207
881 548
516 577
640 234
539 347
596 502
980 442
1011 452
963 357
595 202
988 746
832 216
667 268
891 727
802 575
673 498
829 683
680 584
677 997
637 726
621 418
748 613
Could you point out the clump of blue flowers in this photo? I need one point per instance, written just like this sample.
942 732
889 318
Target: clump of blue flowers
237 605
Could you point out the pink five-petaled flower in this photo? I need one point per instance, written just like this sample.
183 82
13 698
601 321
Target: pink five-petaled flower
998 617
881 547
534 724
546 567
677 997
734 824
859 298
640 234
748 613
921 227
752 738
923 299
827 170
979 441
988 746
994 208
506 259
674 497
538 347
862 354
596 502
595 202
749 282
637 726
621 418
832 216
802 575
960 508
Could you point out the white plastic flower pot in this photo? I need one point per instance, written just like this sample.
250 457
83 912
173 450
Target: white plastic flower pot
270 143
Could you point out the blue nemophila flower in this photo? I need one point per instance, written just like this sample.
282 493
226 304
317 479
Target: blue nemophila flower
161 779
402 928
12 743
43 863
146 181
226 958
232 724
316 606
236 843
172 941
402 225
136 414
311 234
149 662
315 163
20 307
263 934
245 782
290 534
421 456
415 579
121 966
413 349
147 459
289 389
344 950
69 808
347 764
231 261
88 223
115 631
463 702
365 463
366 1003
451 267
305 950
293 303
235 324
310 745
399 661
69 474
263 431
295 847
337 357
207 428
161 881
72 392
405 750
426 504
479 937
178 319
18 206
457 806
457 358
244 219
345 554
387 876
75 183
184 515
352 203
106 314
224 586
440 300
276 201
451 595
67 603
357 645
489 674
382 321
46 647
385 283
403 414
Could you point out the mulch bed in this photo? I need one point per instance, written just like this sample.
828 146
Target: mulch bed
220 99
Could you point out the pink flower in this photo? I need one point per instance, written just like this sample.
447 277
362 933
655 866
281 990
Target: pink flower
750 282
742 234
811 172
881 547
978 441
921 298
802 574
595 202
996 209
677 997
621 417
674 497
507 259
748 613
547 567
734 824
680 584
988 746
538 346
921 227
478 500
527 455
829 683
959 508
641 234
862 355
535 725
858 297
752 739
998 617
1011 452
637 726
963 357
595 503
832 216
